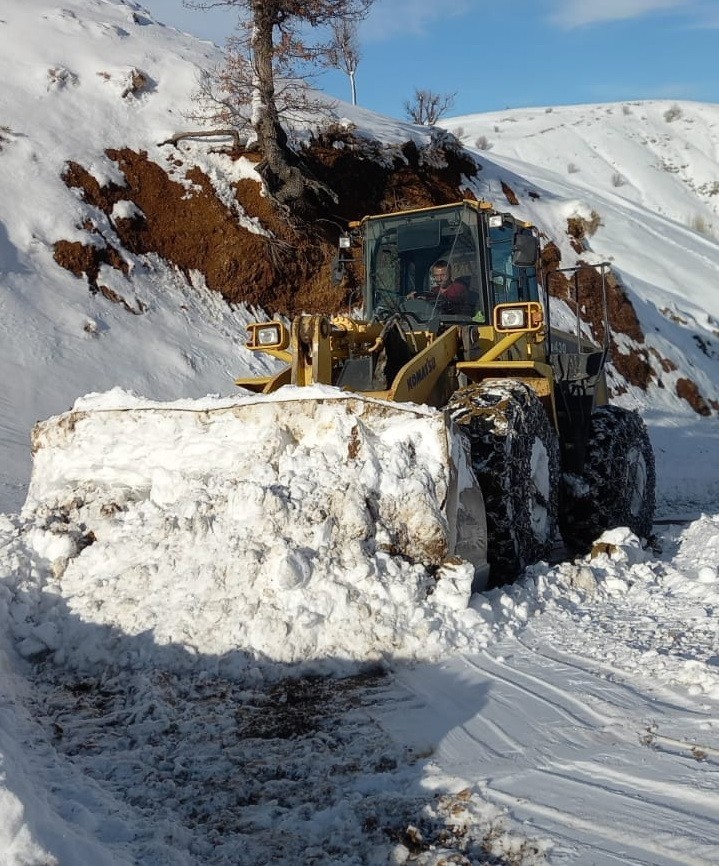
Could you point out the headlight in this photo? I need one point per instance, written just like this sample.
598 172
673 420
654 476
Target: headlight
512 317
519 316
268 336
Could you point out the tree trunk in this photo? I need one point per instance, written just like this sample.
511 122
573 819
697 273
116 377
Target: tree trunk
287 180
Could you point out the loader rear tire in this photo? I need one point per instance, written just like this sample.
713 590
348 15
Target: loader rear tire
515 456
617 486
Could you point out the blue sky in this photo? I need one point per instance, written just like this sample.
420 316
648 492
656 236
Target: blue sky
496 55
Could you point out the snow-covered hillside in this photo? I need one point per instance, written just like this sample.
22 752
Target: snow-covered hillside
160 643
642 157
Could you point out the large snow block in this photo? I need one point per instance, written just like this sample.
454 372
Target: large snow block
394 470
269 516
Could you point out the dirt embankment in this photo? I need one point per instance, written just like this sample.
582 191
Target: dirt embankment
288 270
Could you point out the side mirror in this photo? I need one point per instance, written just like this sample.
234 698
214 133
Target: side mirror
343 255
338 269
525 250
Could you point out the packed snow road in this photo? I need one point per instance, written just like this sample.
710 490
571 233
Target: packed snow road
585 731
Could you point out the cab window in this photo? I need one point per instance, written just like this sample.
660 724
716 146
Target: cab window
403 253
509 283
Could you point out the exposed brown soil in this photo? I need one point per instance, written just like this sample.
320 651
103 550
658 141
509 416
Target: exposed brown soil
579 229
665 363
688 390
551 258
102 197
85 260
509 193
287 271
374 179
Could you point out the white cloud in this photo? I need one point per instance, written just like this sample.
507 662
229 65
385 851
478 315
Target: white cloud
390 18
576 13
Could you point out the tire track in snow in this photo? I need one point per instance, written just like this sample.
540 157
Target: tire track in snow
630 784
557 741
627 840
620 815
572 709
609 678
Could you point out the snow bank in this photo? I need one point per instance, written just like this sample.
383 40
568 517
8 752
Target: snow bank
227 532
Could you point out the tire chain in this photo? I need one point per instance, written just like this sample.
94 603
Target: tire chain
501 419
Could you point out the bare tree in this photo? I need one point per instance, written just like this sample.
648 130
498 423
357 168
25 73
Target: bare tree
427 107
347 51
263 78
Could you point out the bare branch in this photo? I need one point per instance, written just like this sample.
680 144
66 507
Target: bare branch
206 133
427 107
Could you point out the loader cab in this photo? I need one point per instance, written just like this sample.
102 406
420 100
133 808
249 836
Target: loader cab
486 254
400 253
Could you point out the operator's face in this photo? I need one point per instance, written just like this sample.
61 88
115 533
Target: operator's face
440 277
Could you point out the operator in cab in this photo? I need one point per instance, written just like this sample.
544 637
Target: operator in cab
441 283
442 286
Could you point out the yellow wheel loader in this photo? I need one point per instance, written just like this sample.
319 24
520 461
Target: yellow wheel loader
454 316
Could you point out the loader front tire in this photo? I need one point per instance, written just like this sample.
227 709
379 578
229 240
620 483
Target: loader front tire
515 457
617 485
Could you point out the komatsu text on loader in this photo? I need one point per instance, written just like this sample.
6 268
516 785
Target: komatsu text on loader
454 316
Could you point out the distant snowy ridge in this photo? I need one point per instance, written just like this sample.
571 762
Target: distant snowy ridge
649 170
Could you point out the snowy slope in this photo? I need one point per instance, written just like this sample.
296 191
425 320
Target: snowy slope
64 69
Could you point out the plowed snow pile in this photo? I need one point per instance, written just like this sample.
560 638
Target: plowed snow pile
243 529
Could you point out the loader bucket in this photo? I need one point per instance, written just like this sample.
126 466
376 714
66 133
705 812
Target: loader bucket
329 465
